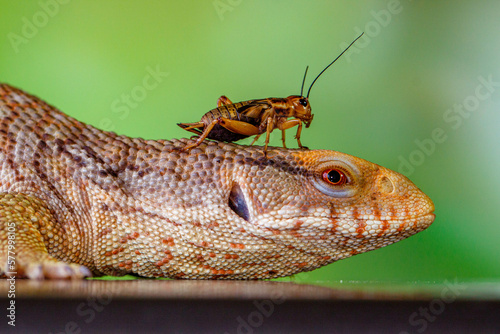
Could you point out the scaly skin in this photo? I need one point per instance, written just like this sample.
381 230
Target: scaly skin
83 198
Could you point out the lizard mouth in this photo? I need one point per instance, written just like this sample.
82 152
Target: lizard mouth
430 216
420 222
425 219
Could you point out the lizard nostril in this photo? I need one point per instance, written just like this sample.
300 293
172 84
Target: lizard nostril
386 185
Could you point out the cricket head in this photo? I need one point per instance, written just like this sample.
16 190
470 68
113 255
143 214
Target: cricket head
300 108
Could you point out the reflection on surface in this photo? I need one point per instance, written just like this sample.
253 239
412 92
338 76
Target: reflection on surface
186 289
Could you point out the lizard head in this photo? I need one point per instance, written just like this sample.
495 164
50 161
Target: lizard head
327 204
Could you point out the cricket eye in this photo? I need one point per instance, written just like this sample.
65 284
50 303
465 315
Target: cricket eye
303 101
334 177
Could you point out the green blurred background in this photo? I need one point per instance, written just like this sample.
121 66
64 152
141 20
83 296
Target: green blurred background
417 64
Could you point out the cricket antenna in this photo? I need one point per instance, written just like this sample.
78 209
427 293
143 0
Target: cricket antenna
330 64
303 81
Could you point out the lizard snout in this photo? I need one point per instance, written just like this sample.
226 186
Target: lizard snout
405 200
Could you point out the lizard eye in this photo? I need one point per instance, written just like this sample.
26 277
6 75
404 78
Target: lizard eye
334 177
337 179
303 101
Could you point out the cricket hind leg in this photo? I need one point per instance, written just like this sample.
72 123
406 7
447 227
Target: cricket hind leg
255 139
233 126
193 127
239 127
223 100
202 137
23 253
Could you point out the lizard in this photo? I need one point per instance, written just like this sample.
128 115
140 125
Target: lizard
76 201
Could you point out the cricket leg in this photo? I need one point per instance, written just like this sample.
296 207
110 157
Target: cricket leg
270 128
255 139
283 138
202 136
192 127
223 100
240 127
290 124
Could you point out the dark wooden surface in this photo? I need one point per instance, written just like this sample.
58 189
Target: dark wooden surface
164 306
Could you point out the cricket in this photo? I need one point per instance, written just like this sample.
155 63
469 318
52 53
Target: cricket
230 122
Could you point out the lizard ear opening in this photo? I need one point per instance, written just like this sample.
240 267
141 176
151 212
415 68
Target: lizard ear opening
237 202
